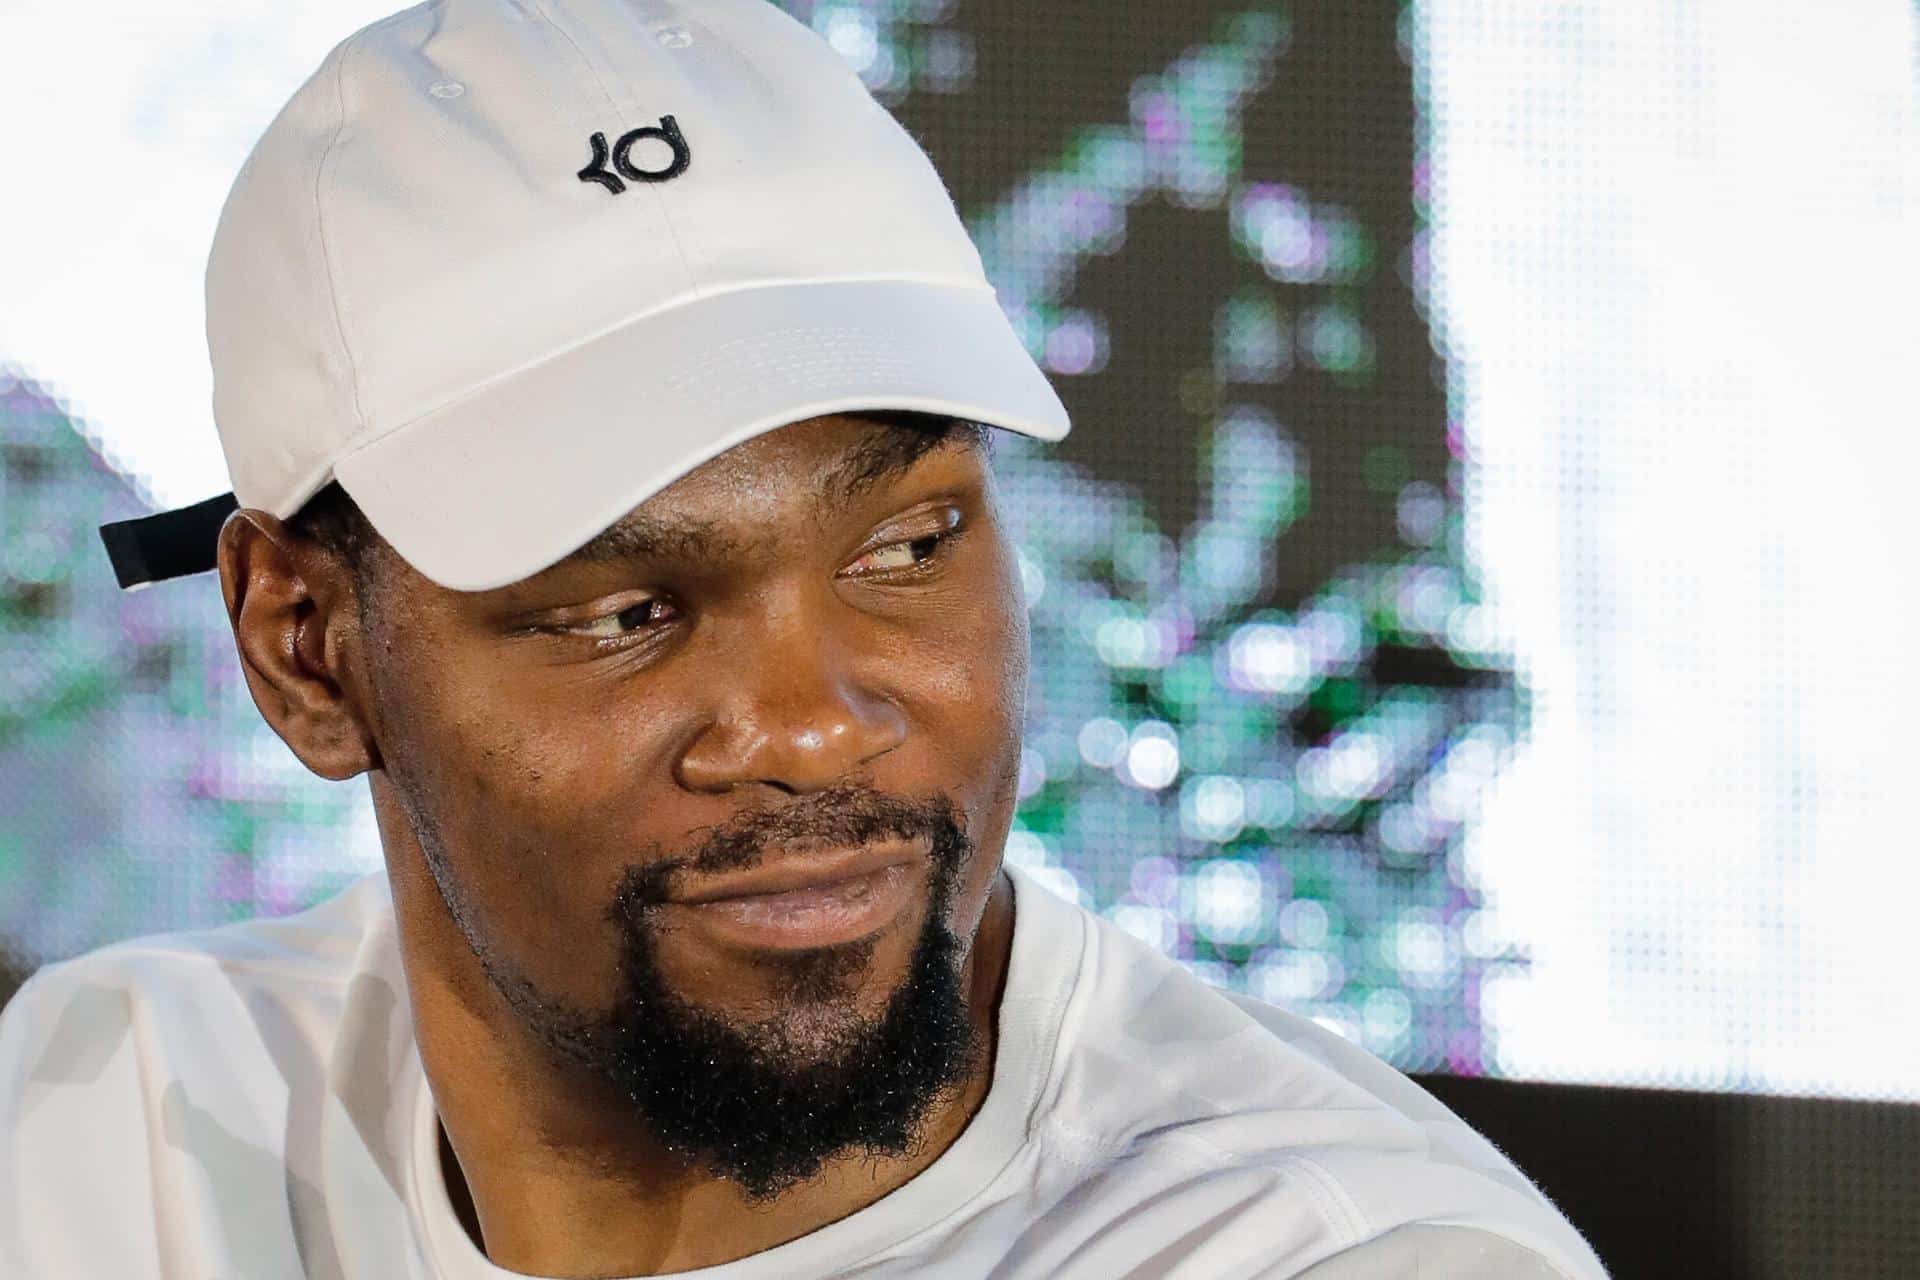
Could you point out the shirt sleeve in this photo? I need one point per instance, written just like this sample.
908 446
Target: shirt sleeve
1419 1251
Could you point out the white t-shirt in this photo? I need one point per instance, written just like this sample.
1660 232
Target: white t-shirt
248 1103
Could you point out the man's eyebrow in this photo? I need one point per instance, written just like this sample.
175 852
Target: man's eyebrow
880 456
640 536
643 536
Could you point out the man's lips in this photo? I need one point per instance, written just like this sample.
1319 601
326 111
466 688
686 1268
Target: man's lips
808 900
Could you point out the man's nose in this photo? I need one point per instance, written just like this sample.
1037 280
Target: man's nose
797 716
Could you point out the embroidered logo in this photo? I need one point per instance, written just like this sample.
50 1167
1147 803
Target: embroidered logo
668 132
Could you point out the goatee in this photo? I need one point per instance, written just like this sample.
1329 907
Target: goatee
765 1103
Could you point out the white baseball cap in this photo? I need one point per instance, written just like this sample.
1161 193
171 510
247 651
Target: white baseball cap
506 268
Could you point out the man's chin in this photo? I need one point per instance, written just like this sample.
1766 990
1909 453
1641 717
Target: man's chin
762 1064
808 1009
832 1062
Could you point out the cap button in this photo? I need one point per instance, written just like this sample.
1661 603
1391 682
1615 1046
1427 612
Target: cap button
675 37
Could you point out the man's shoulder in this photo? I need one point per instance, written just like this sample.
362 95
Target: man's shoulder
316 946
1173 1088
156 1082
188 994
1196 1053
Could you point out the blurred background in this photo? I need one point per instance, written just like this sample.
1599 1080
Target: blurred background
1474 608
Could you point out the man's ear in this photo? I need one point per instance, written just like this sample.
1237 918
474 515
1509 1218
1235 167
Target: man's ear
296 625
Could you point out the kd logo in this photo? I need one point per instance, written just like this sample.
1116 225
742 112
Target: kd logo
668 132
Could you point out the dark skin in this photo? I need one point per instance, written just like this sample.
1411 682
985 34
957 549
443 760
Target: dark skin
553 730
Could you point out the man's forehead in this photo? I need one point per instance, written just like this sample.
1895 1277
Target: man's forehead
698 518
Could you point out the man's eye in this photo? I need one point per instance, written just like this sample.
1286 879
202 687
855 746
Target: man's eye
614 626
654 611
911 554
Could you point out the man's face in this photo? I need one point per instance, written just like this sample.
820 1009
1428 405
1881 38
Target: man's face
793 656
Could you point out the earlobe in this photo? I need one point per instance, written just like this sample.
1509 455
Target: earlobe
282 597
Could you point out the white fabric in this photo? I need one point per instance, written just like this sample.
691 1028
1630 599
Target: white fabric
248 1102
550 456
410 250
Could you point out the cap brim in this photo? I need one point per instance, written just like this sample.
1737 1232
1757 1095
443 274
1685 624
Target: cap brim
512 477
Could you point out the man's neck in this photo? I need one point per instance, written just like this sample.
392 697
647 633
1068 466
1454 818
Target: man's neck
626 1207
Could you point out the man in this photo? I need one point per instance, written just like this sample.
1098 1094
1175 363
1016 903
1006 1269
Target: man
608 390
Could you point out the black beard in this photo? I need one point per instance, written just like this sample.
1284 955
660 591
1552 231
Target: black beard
765 1104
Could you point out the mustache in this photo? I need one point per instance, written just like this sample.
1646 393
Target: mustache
844 814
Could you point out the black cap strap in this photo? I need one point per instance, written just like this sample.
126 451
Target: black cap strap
167 544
